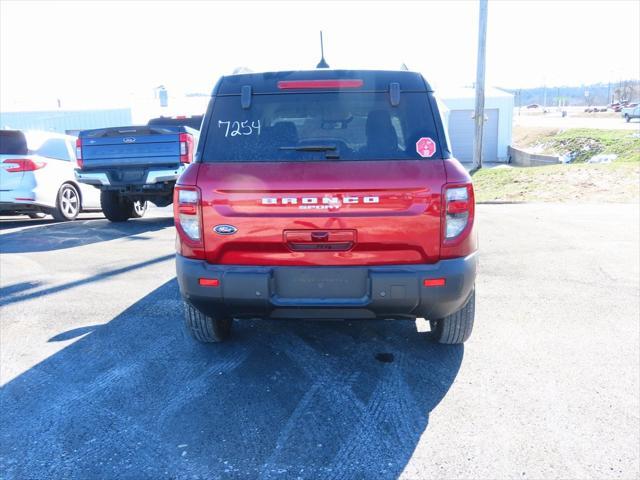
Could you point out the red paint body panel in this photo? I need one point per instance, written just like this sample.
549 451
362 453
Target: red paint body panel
392 208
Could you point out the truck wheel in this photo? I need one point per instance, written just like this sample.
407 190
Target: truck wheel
67 203
115 207
456 328
139 209
205 328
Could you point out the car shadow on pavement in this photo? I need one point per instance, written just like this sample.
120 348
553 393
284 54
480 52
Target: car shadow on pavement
23 291
138 398
58 236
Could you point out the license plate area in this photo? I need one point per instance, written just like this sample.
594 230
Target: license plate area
321 283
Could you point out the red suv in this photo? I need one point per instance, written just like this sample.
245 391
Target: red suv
325 194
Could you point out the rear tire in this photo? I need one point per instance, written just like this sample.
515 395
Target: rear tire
204 328
68 204
115 207
456 328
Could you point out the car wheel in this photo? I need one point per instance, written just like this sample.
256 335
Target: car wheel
115 207
67 204
204 328
457 327
139 209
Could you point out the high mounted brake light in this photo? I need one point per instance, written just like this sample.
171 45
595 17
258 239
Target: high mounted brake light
79 152
23 165
186 148
302 84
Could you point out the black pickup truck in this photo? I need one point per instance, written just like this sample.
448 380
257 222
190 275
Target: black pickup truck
134 164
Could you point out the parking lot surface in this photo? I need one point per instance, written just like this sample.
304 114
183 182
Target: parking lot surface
101 380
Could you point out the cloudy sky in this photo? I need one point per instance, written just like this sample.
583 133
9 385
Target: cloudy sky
95 53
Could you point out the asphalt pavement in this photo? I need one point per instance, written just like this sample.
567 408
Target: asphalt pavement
101 380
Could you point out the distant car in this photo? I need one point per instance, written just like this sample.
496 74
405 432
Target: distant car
533 105
631 112
36 176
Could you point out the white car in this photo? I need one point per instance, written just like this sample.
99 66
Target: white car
37 176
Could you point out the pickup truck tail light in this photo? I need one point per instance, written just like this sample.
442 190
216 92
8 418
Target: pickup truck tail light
23 165
79 152
186 148
458 211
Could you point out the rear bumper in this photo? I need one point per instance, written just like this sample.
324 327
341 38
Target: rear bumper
22 200
328 292
151 177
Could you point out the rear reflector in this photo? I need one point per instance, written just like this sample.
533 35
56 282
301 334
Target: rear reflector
209 282
293 84
434 282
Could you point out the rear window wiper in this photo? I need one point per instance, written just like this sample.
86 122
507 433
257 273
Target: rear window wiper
331 150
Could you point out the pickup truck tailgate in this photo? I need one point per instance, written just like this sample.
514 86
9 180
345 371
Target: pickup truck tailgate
133 146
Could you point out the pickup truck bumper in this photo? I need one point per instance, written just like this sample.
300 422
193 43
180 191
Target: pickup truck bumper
328 292
105 178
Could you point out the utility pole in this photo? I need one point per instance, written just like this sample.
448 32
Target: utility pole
479 110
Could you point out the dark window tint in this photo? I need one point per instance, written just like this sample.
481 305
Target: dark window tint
13 142
318 126
54 148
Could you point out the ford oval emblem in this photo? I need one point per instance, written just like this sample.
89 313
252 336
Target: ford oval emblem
128 139
225 229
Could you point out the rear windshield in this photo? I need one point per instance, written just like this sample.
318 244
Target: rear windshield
13 142
321 126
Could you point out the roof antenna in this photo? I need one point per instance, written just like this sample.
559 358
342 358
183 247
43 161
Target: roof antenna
322 63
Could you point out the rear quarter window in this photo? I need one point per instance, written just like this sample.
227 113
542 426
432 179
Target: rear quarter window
13 142
54 148
319 126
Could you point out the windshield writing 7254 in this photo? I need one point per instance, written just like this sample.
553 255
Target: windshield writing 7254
235 128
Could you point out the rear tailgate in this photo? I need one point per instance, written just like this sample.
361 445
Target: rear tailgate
130 146
355 213
10 180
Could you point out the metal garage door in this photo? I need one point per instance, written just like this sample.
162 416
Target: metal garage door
462 131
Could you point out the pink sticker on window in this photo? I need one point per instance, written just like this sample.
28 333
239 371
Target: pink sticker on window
426 147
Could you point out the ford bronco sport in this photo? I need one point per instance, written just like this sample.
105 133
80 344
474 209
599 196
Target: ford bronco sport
325 194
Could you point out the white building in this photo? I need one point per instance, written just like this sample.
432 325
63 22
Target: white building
62 121
498 106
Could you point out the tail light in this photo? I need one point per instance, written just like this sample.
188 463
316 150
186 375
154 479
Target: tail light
79 152
458 201
303 84
188 219
186 148
24 164
458 239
